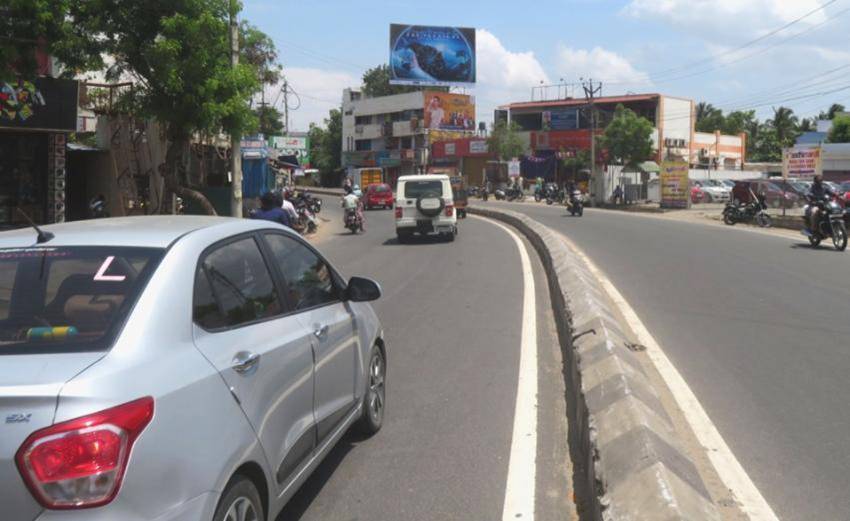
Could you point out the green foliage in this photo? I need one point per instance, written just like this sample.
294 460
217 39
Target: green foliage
257 49
577 163
840 132
628 138
270 123
765 145
785 124
376 82
738 121
833 110
505 141
708 118
326 143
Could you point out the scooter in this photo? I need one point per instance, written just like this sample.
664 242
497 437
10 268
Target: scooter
575 204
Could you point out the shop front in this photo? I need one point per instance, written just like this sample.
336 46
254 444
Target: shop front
35 119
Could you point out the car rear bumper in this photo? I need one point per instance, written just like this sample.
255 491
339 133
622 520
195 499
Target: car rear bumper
200 508
445 225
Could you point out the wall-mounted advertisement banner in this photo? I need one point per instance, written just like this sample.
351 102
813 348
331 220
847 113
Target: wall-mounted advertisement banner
42 104
514 168
445 111
427 55
675 187
563 119
802 162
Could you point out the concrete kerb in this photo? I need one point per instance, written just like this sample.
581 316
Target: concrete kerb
624 445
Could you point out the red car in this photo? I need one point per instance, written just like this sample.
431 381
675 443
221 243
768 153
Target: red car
697 195
379 195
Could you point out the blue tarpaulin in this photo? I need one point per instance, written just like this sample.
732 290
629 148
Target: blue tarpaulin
255 177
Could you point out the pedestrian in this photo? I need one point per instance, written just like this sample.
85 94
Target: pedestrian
269 211
618 195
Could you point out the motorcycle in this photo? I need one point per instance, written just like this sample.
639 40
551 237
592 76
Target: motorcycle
830 224
575 204
353 221
555 196
735 213
514 194
307 221
97 208
500 194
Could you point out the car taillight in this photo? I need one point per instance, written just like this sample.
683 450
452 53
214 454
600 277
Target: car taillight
80 463
450 210
399 213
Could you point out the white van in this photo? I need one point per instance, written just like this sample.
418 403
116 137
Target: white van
424 204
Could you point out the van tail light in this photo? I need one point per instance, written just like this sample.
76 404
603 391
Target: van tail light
450 210
80 463
399 212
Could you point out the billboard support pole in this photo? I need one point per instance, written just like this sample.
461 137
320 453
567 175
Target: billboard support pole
589 93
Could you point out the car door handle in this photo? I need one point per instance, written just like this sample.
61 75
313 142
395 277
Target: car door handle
321 332
244 362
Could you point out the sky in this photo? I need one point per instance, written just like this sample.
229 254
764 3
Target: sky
735 54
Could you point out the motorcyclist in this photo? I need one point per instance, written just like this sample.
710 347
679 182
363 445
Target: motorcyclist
350 202
818 193
288 206
270 211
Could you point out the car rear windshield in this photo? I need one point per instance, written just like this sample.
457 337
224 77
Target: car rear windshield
68 299
380 188
414 189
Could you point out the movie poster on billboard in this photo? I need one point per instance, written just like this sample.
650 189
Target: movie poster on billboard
427 55
446 111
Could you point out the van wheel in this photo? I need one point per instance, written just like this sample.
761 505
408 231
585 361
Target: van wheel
374 400
240 502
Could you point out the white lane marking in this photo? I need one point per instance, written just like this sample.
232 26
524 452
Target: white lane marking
731 472
522 466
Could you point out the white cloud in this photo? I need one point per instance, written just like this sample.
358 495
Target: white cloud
718 19
599 64
503 76
319 91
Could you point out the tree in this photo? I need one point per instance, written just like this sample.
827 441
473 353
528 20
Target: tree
765 145
833 110
326 144
580 161
807 125
505 141
179 52
270 123
738 121
840 132
708 117
257 49
27 27
628 138
784 123
376 82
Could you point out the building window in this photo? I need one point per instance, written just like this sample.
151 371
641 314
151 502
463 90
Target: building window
362 120
362 145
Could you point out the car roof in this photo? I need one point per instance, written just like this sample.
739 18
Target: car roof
429 177
153 231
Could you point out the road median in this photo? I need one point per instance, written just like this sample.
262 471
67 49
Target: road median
633 463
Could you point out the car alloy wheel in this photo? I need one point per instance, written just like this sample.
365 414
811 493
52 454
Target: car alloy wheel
375 401
242 509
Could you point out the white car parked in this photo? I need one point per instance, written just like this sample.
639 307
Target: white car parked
715 191
425 204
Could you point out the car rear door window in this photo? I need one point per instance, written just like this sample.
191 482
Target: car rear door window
415 189
69 298
308 279
238 282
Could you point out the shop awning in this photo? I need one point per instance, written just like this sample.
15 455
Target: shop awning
649 167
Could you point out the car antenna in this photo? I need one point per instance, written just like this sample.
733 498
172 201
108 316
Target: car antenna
42 235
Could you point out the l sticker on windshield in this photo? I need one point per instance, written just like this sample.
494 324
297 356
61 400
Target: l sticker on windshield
100 275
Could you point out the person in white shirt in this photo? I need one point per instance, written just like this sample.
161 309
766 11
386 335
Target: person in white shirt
351 202
288 207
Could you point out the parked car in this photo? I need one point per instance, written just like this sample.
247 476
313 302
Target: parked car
178 369
794 187
378 195
697 193
425 205
714 191
774 196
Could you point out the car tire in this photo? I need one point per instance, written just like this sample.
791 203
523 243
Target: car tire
430 212
374 399
240 493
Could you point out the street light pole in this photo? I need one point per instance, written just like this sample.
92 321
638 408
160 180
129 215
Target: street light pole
590 93
235 138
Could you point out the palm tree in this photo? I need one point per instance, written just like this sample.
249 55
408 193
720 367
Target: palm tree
785 123
834 109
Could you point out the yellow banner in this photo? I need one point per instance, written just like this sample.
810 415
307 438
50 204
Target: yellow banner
675 187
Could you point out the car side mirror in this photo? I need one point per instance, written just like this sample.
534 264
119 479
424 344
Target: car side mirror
362 290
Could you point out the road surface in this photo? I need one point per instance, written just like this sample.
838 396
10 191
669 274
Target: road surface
759 327
452 313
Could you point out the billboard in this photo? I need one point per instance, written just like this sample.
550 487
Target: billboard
802 163
445 111
564 119
675 185
298 146
41 104
426 55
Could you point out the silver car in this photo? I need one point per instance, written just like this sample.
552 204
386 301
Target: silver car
175 368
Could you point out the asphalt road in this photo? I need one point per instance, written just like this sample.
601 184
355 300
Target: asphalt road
451 314
759 327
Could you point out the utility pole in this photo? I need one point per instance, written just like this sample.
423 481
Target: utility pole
590 93
235 138
285 107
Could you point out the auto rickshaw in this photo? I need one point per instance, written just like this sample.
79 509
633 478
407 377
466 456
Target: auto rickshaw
461 195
